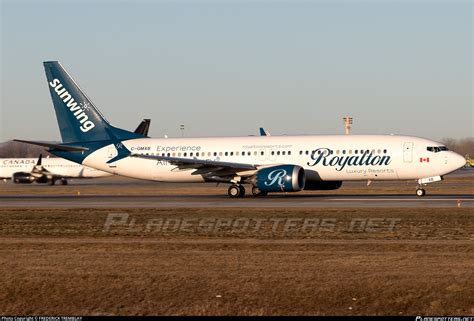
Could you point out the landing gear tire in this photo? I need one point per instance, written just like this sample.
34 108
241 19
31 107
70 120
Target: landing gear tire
420 192
63 182
242 191
52 182
236 191
257 192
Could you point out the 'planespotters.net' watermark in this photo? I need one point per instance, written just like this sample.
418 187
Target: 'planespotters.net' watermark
123 222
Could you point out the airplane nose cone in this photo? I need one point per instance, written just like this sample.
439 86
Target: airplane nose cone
458 161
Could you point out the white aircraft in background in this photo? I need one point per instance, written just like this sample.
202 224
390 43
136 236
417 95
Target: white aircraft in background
267 163
45 170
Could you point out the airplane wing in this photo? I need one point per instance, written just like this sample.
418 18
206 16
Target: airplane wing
214 170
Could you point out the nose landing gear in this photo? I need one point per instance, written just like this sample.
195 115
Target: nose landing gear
420 192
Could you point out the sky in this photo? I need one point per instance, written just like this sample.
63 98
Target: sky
225 68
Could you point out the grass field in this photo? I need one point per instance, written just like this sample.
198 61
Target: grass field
70 262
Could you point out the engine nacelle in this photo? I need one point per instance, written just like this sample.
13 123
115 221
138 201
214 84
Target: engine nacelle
312 185
22 178
280 178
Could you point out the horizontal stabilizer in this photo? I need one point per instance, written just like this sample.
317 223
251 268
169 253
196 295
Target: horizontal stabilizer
67 148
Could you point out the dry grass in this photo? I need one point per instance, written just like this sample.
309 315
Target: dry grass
61 262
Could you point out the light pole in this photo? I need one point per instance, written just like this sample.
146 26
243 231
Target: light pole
181 127
347 124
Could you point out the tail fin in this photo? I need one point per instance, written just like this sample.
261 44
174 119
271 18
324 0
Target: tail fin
38 163
78 118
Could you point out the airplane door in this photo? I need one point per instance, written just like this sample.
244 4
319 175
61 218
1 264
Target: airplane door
111 153
408 152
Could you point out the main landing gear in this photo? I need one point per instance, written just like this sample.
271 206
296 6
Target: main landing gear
238 190
235 191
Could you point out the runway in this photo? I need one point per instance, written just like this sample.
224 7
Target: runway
223 201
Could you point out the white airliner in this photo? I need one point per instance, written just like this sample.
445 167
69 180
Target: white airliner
45 170
267 163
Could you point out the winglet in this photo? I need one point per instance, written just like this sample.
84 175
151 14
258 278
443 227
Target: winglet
143 128
263 132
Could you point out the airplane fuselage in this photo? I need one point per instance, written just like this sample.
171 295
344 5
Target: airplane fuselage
56 166
323 157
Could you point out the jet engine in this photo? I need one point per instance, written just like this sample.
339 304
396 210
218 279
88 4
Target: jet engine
280 178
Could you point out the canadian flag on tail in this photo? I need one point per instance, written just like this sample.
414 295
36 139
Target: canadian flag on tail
424 159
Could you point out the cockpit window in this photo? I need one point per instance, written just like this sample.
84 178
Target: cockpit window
436 149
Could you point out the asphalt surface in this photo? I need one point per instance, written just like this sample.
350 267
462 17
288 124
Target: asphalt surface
271 201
